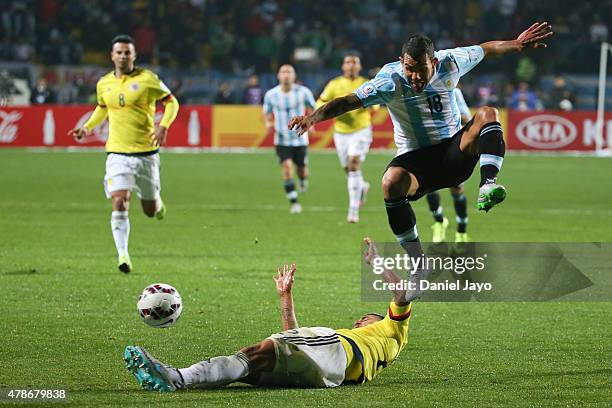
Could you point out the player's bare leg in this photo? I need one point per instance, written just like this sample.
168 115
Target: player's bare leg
357 188
245 366
292 194
302 172
154 208
120 226
485 138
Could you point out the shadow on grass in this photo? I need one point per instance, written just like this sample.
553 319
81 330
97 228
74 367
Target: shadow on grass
25 271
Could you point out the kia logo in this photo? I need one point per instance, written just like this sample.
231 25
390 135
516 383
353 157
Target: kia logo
546 131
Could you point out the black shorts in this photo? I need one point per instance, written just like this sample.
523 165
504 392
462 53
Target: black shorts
299 154
439 166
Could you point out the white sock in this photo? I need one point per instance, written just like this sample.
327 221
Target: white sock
216 372
120 225
355 186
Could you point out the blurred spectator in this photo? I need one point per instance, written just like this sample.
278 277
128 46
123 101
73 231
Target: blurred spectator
507 94
523 98
486 95
598 30
224 94
253 94
7 87
42 94
560 96
525 69
144 37
176 86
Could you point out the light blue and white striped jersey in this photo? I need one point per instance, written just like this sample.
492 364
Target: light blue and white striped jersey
464 109
284 106
426 118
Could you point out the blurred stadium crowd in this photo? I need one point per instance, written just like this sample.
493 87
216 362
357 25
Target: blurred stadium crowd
228 41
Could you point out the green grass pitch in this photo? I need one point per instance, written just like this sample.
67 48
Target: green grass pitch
68 313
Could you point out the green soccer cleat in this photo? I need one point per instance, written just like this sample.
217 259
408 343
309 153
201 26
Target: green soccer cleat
125 264
439 231
490 194
161 213
151 374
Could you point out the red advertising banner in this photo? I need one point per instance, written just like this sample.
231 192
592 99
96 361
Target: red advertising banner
48 125
552 131
243 126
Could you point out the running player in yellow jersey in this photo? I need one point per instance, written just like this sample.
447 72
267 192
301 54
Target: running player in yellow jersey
128 96
297 356
352 132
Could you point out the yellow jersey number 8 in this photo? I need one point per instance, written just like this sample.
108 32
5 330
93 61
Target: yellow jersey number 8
121 100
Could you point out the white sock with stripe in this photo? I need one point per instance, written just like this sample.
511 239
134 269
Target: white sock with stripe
355 186
120 226
216 372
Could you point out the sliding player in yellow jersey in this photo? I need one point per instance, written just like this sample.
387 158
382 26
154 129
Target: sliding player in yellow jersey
352 132
127 96
297 356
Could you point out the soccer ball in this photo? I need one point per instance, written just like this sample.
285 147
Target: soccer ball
160 305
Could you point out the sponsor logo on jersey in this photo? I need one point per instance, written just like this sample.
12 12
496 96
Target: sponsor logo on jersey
546 131
367 90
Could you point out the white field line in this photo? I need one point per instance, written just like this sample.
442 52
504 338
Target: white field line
285 208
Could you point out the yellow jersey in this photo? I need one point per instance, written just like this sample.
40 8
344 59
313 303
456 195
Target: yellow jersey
351 121
130 102
378 343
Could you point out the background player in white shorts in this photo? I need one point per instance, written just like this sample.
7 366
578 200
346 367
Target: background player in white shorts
352 132
128 96
457 192
298 357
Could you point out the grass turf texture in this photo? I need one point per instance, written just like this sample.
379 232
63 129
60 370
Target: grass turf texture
69 313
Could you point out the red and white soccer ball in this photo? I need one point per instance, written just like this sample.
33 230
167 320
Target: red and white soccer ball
160 305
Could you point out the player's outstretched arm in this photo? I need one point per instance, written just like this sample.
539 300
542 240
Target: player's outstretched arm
370 254
533 37
96 118
171 108
330 110
284 284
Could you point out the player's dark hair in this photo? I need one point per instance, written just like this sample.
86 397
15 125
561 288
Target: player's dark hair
417 46
381 317
351 53
123 39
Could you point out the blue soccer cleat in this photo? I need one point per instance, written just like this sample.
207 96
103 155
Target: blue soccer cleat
151 374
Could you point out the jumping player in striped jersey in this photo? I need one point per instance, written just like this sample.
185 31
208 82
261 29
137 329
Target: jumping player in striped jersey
433 150
297 356
457 192
281 103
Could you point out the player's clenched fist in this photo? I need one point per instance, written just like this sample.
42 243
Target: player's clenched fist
78 133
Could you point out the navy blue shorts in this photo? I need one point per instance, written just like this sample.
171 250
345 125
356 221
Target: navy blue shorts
299 154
